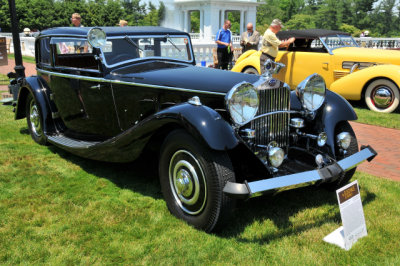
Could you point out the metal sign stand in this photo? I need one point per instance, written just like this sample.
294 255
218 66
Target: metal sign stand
353 219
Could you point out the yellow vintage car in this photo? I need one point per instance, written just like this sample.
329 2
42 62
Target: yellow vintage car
356 73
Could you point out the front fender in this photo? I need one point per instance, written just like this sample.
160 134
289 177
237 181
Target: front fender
352 85
203 123
335 110
250 58
32 85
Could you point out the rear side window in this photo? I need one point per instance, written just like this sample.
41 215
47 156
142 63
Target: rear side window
45 51
73 53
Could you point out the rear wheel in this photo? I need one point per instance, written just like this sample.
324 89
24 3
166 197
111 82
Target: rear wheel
192 178
382 95
34 119
353 148
251 70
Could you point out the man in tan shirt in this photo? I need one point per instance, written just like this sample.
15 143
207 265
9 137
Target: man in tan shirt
249 39
271 43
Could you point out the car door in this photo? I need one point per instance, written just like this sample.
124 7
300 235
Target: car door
301 64
82 96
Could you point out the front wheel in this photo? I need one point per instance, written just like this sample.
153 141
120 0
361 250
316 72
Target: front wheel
34 119
382 95
353 148
192 178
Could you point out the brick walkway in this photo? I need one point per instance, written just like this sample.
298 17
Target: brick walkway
30 69
384 140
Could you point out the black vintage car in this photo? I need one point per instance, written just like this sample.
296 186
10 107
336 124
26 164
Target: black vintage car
111 94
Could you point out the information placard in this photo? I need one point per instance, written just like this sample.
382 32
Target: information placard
352 214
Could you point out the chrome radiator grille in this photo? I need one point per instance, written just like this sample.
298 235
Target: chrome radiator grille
275 126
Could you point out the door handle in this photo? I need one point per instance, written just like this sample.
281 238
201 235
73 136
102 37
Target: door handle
96 87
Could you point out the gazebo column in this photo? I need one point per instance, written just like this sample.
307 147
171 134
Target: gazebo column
201 23
186 21
241 21
222 17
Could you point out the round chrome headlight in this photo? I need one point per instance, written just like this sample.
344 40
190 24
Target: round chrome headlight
96 37
343 140
311 92
242 103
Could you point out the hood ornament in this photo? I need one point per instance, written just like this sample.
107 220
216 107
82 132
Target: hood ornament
271 68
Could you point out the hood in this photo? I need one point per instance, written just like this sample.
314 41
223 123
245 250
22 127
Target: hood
178 75
367 55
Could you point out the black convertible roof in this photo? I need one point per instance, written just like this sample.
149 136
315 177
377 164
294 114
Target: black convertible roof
111 31
308 34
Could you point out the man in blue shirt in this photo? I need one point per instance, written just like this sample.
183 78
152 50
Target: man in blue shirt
224 41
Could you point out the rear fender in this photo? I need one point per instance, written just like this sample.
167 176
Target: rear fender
352 85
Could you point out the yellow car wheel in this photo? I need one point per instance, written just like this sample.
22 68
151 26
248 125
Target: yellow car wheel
251 70
382 95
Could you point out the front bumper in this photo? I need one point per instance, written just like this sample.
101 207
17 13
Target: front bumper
330 172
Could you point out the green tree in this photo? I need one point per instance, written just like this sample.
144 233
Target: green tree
300 21
350 29
195 21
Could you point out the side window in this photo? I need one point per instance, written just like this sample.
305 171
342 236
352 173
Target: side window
45 51
73 53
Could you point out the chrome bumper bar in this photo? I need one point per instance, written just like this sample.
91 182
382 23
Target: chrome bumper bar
330 172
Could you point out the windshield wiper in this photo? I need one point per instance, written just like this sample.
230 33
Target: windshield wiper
171 42
132 42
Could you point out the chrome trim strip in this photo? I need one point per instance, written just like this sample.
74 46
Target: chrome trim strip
257 187
126 83
150 57
275 112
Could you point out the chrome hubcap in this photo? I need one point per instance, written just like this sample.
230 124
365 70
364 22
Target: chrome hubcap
382 97
35 119
187 182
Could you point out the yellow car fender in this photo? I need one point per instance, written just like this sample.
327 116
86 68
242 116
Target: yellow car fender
250 58
352 85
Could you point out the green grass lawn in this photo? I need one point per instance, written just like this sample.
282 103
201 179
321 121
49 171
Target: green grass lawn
25 59
56 208
366 116
4 79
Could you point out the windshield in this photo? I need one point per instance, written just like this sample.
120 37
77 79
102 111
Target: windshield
127 48
337 41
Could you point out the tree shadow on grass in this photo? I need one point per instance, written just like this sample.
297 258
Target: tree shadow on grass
281 209
141 176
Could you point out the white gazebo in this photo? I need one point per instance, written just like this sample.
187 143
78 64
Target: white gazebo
212 14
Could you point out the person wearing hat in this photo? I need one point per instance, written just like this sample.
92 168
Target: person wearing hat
271 43
123 23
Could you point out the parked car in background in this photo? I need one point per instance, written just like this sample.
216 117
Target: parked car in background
113 94
356 73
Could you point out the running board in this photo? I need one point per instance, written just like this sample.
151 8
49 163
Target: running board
71 143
